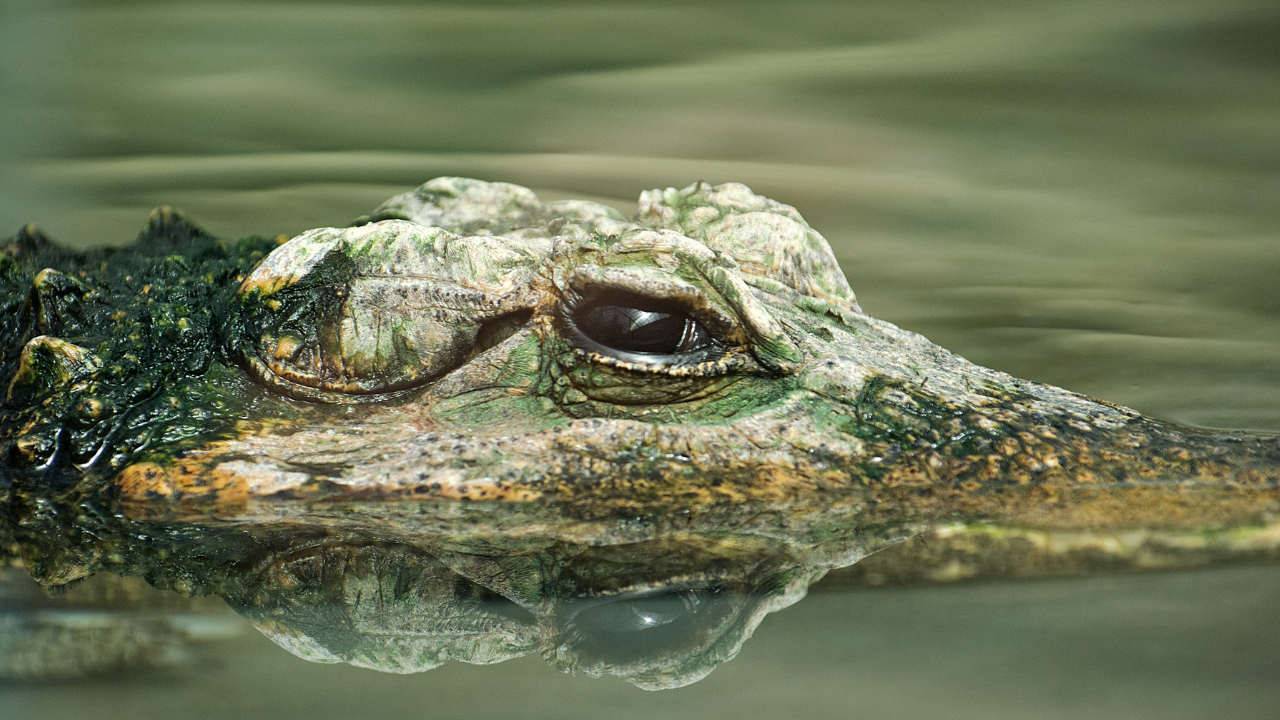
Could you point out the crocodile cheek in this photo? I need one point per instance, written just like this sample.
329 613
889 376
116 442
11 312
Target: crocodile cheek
589 392
586 383
501 388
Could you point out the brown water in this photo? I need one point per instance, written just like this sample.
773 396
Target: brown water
1080 193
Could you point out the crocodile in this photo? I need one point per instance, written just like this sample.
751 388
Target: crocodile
491 399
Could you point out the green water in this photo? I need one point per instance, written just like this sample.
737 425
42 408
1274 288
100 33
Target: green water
1080 193
1168 647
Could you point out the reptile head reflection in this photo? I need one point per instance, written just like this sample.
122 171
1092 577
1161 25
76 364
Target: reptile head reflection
659 614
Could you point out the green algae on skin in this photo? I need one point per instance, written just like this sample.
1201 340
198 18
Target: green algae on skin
468 342
117 351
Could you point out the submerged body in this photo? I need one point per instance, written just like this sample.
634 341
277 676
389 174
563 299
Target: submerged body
698 377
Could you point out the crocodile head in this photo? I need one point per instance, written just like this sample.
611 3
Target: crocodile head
467 341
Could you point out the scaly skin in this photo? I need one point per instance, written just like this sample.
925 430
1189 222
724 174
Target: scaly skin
430 353
216 415
465 379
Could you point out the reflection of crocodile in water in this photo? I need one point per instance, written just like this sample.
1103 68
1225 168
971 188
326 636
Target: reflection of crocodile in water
697 381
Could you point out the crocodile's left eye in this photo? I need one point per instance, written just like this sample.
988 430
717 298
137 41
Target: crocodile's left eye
640 329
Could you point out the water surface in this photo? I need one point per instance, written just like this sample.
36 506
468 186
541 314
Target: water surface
1079 193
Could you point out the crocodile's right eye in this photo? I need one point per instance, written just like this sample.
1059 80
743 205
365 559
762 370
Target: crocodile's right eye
635 328
643 326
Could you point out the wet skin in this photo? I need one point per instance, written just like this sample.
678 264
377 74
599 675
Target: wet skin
468 341
216 415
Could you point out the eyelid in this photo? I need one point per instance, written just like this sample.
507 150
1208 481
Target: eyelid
592 280
660 243
658 586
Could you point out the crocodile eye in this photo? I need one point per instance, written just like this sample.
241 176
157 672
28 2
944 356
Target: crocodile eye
643 625
633 325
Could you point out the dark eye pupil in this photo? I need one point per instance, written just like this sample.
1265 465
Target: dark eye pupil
628 629
640 326
633 329
638 615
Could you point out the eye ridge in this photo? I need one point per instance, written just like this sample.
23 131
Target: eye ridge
634 325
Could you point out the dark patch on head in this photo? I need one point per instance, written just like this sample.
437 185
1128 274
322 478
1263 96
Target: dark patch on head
169 232
156 318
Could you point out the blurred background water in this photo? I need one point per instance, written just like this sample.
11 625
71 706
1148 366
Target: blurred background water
1085 192
1082 192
